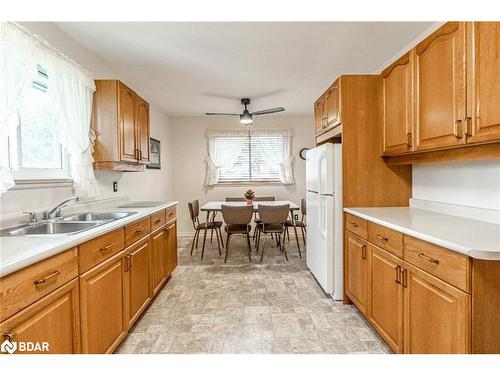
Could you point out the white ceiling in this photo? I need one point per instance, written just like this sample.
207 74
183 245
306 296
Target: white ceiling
192 68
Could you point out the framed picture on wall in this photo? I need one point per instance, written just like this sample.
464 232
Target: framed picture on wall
154 154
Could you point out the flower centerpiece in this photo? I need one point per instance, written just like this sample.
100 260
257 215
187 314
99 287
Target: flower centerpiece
249 195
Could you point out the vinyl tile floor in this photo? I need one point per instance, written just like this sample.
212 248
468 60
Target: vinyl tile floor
209 306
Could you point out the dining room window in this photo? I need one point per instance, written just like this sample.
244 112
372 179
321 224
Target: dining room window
249 156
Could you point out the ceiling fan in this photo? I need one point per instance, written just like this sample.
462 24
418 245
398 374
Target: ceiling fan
246 118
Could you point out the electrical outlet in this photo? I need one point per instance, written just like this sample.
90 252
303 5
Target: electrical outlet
115 186
296 217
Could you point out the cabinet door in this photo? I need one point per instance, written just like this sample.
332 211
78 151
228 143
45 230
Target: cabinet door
483 70
128 136
332 105
385 311
171 249
357 271
102 306
437 315
158 258
319 118
398 106
142 129
54 320
440 88
137 279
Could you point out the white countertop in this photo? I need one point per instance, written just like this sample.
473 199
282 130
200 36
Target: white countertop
17 252
477 239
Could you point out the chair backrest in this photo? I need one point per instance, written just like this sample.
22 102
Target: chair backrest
265 199
273 214
194 210
235 199
237 214
303 207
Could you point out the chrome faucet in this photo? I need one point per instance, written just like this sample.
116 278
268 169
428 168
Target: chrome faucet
56 211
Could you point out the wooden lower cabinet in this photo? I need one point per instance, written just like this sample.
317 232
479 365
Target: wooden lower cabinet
158 259
437 315
357 271
137 280
55 320
171 249
102 305
385 310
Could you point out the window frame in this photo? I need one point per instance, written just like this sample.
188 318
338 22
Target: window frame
261 181
36 176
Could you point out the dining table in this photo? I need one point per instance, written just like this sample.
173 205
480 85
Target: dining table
216 206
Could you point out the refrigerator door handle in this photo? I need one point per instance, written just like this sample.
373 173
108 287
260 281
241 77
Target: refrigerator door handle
322 216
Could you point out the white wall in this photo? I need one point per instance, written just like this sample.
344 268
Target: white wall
473 183
190 153
150 185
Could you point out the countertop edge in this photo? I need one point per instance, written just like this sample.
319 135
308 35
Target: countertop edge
473 253
6 269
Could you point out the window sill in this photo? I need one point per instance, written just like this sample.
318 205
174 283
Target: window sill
246 183
45 183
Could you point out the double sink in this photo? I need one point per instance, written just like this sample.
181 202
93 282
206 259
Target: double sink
69 224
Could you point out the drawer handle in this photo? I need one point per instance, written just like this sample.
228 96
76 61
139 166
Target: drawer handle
432 260
355 225
8 336
139 230
171 214
106 248
382 238
47 278
159 220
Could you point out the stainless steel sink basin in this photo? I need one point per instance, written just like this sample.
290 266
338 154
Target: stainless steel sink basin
97 216
57 227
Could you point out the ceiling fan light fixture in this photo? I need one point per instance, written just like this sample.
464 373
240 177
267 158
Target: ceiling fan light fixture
246 118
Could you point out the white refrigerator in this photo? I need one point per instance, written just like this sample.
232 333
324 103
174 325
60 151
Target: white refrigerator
324 217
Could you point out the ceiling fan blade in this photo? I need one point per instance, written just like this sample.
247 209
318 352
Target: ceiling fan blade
221 114
267 111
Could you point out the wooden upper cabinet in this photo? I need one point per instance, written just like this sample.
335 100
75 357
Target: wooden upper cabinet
440 88
397 94
142 125
483 70
332 105
127 123
356 267
319 115
437 315
120 121
385 311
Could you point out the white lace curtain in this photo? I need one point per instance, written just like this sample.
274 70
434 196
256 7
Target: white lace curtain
224 145
71 88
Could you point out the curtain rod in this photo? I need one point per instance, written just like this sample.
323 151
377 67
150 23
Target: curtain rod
46 45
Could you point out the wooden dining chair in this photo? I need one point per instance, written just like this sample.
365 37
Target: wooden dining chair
237 220
298 224
235 199
194 213
272 222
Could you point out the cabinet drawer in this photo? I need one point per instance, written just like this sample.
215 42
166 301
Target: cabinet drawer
386 238
28 285
99 249
158 219
449 266
356 225
135 231
171 214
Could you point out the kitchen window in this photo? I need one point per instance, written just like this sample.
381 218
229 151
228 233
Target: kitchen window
242 156
34 150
